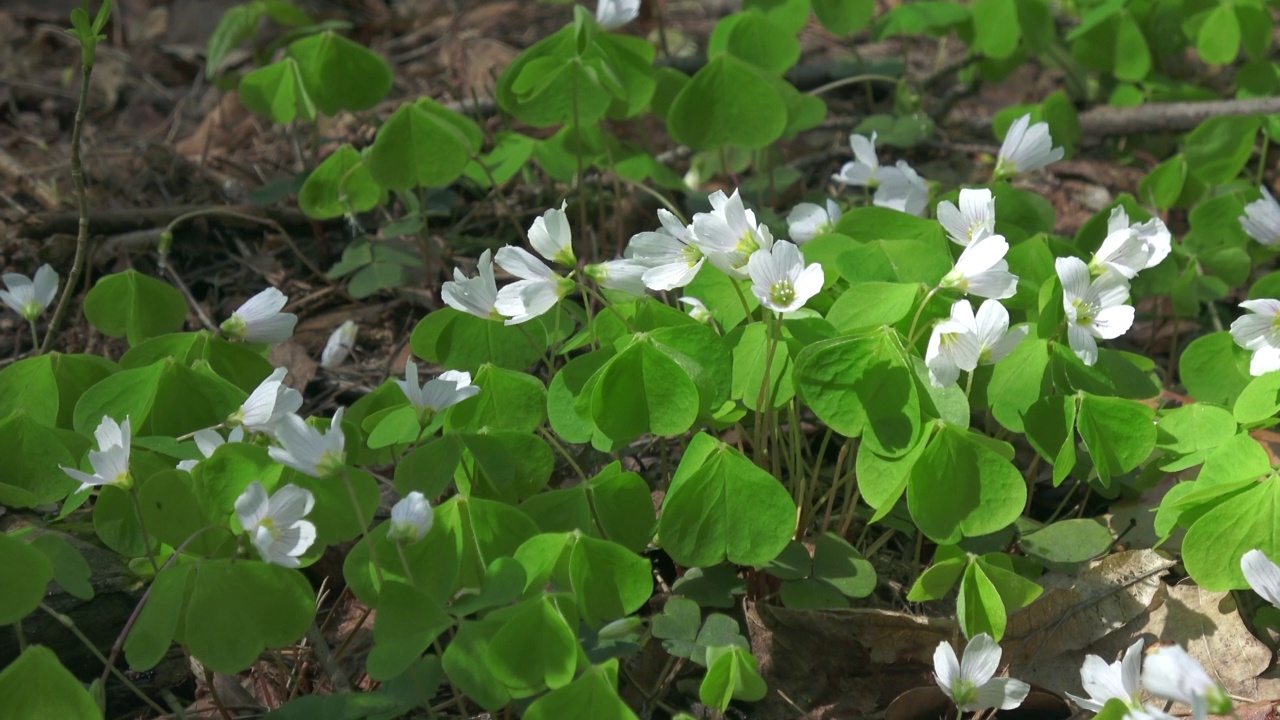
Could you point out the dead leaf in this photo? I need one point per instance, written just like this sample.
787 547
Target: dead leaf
294 357
1076 611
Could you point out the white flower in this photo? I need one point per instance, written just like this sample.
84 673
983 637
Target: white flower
953 347
1172 674
1095 309
901 189
1263 575
974 218
672 256
411 518
780 280
339 346
626 275
275 524
444 391
729 234
1259 332
697 309
110 461
1120 680
981 270
972 684
1261 219
807 220
267 404
259 319
965 340
30 297
1130 249
208 440
476 295
308 450
864 170
550 236
536 292
1026 148
613 14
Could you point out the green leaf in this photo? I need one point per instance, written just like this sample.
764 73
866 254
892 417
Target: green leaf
844 17
1067 541
1259 400
151 636
238 608
752 37
728 102
340 74
1219 38
882 480
1217 540
417 148
238 23
334 516
165 398
130 304
593 695
535 649
978 605
642 390
1189 433
481 531
465 342
70 570
949 563
721 506
550 83
836 562
960 487
466 662
1118 433
25 574
790 15
32 474
432 563
609 581
732 674
1163 185
1133 57
996 31
932 17
116 522
718 586
872 304
37 687
1214 369
408 621
508 400
614 505
342 185
862 383
1218 149
750 357
1051 430
277 91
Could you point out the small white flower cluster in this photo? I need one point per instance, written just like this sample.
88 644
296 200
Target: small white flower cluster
1259 331
729 237
971 683
1026 148
1170 673
1095 295
897 186
30 297
966 340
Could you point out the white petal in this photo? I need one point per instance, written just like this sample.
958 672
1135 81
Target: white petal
271 330
45 285
550 236
252 507
672 276
982 255
946 667
522 264
1082 343
613 14
1131 669
1103 681
994 283
864 149
207 441
1262 574
262 306
290 504
1003 693
981 659
1264 360
1074 276
1006 344
807 220
1113 322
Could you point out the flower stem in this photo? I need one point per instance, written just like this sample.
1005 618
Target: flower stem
764 396
911 334
142 525
70 624
364 526
82 207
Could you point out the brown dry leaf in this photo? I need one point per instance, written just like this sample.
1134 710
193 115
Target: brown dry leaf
1205 623
294 357
1075 612
868 658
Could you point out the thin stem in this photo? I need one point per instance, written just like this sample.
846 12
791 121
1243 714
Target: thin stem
364 526
142 525
82 207
20 635
404 560
1262 160
560 448
70 624
213 693
746 307
854 80
764 396
911 334
968 383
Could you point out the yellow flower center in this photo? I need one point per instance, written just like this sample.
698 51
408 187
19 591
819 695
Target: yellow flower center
783 293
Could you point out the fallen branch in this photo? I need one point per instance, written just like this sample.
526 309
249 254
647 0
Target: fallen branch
1169 117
